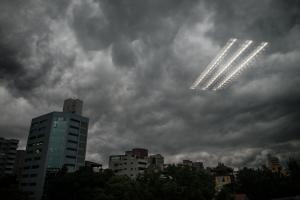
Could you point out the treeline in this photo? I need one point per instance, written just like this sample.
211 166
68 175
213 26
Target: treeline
262 184
175 183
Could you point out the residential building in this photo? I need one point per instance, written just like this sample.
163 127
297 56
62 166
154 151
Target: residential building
187 163
223 175
156 162
19 163
197 165
73 106
273 164
55 140
132 164
8 151
96 167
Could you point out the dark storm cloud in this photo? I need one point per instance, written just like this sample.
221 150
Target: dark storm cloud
132 63
274 21
25 38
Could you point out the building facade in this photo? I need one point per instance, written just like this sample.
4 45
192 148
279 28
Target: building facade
223 176
156 162
19 163
8 151
197 165
273 164
55 140
132 164
73 106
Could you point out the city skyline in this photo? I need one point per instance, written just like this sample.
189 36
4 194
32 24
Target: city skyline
132 64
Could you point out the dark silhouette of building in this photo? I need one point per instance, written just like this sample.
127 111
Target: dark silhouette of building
73 106
156 162
19 163
96 167
8 151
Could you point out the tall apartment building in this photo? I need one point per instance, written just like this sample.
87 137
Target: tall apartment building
55 140
19 162
8 150
132 164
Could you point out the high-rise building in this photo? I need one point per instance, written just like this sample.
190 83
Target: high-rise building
19 162
55 140
8 150
73 106
132 164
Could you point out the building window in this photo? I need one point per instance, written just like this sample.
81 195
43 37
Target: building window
74 127
71 149
32 137
37 158
70 165
72 141
35 166
73 134
72 157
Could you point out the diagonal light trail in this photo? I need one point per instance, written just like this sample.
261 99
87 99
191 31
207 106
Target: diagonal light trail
214 63
241 66
230 61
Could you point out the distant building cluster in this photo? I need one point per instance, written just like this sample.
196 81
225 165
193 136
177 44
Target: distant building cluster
58 141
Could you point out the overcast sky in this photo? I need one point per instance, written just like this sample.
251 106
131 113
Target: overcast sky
132 63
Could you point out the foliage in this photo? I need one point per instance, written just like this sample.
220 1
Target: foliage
262 184
174 183
9 188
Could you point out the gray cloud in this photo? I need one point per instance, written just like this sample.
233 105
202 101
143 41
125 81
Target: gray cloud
132 63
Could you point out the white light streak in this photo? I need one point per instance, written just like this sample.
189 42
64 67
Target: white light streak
230 61
244 63
214 63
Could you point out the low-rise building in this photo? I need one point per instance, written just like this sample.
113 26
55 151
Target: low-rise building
223 176
156 162
273 164
132 164
197 165
96 167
